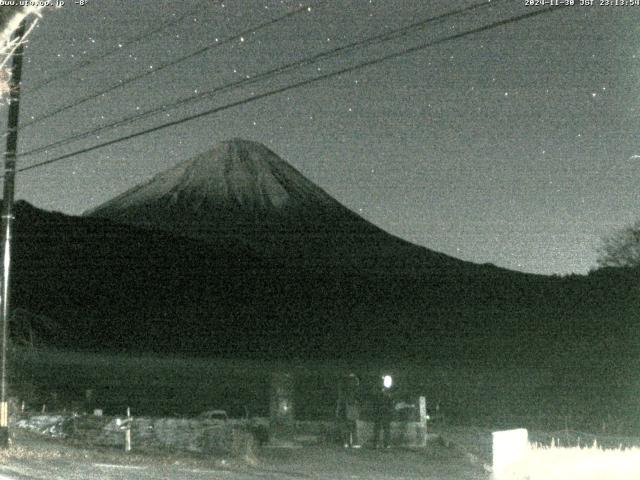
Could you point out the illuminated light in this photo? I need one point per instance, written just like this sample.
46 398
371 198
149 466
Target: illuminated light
387 381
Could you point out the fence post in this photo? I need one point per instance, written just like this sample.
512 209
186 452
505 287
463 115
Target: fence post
422 409
127 431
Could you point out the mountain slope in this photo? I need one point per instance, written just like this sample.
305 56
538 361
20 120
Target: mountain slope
242 190
111 286
235 253
107 286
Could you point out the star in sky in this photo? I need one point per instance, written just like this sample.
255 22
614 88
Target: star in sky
467 178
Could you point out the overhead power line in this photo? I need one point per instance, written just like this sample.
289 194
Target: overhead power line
391 35
121 45
123 83
302 83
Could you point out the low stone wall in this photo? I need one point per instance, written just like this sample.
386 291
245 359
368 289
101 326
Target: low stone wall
408 434
230 437
174 434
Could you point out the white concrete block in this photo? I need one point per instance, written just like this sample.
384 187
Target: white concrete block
509 448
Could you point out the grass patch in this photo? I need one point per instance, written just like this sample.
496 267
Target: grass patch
584 463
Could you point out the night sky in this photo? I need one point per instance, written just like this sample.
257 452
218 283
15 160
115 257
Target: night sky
517 146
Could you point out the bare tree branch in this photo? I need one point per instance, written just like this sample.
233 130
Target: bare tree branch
621 249
10 19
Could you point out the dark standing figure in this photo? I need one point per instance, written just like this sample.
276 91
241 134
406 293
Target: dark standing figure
383 412
348 410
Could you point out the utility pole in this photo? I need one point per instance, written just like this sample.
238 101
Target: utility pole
7 221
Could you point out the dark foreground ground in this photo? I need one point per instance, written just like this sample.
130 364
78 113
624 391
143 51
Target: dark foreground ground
435 462
34 457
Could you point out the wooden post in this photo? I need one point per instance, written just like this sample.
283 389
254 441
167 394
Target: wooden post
127 431
422 411
7 222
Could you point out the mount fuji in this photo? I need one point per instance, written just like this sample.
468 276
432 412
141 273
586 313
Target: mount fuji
243 191
235 253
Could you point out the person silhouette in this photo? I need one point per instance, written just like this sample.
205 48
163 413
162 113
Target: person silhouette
348 410
383 413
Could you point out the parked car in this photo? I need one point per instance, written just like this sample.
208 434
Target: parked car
215 415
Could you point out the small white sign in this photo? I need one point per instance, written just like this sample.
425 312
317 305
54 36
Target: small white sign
509 448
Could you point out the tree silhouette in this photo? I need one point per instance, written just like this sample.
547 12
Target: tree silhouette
621 248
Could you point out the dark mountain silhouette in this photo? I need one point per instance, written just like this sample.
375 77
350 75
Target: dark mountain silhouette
242 191
234 253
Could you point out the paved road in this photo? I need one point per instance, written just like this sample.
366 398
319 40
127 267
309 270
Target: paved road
35 460
104 471
335 463
303 464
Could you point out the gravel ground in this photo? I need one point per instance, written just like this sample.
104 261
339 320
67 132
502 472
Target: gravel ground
433 462
34 457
